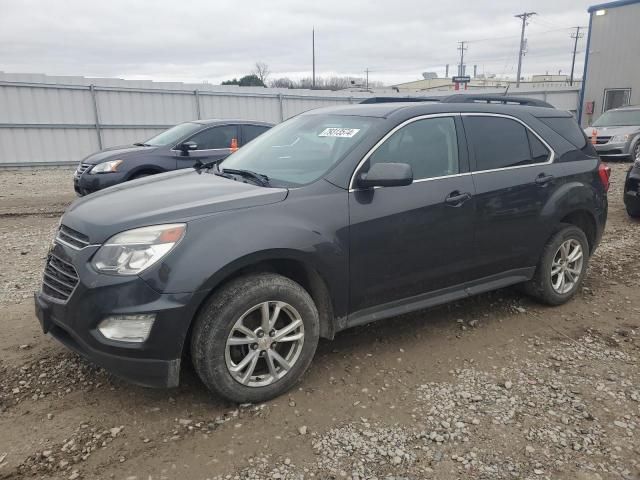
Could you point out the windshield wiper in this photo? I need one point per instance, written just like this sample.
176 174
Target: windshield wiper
203 166
139 144
259 178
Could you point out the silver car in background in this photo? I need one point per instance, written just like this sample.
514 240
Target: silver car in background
617 133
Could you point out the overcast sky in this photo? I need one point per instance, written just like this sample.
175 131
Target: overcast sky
213 40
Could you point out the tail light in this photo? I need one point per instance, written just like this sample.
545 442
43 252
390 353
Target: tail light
604 172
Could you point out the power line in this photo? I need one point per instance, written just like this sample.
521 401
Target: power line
524 16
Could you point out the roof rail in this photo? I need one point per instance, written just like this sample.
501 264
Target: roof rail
465 98
400 99
500 99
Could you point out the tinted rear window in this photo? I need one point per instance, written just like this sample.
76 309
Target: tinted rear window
502 142
567 128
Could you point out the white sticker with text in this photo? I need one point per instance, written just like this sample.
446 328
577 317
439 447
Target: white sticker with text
339 132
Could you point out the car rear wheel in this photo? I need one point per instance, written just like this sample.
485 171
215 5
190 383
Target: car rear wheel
562 267
633 211
635 153
255 338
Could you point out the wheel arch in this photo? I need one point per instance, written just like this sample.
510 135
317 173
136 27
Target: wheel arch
585 221
148 169
290 264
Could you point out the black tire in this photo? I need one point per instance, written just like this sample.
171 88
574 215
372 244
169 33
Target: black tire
540 286
633 211
215 322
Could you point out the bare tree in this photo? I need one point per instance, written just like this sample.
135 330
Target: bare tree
283 82
262 71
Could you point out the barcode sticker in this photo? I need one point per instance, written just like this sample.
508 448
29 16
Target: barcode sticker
339 132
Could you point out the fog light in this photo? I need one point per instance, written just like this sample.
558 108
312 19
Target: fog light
127 328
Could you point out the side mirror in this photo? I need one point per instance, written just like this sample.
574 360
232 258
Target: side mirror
186 147
386 175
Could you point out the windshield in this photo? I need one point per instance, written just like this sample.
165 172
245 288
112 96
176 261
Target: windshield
302 149
171 136
618 118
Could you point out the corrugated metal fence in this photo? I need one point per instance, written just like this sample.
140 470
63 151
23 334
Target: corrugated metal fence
59 120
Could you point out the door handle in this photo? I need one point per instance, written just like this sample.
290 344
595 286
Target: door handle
455 199
543 179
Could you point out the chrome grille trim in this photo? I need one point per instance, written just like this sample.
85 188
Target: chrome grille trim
83 167
72 238
60 279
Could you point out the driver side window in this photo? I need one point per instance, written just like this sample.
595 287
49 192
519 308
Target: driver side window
215 138
430 146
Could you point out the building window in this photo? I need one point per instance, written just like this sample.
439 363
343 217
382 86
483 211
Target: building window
615 98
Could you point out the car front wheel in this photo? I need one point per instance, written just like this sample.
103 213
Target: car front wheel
562 267
255 337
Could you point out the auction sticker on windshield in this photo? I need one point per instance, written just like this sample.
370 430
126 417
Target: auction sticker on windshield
339 132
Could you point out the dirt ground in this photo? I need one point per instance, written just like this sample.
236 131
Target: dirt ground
495 386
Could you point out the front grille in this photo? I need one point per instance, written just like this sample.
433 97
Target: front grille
72 237
602 140
83 167
60 278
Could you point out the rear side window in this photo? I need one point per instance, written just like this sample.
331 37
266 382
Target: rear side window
430 146
567 128
501 142
216 137
252 131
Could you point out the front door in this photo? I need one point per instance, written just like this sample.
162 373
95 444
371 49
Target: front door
411 240
213 144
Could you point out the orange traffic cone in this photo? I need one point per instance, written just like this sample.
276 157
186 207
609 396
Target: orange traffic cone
234 144
594 136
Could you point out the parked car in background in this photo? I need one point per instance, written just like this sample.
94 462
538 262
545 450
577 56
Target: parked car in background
335 218
178 147
632 190
617 133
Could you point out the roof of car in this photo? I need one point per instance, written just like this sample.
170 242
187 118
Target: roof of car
628 107
226 121
384 110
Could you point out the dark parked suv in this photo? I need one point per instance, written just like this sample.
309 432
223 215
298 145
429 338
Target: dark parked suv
178 147
335 218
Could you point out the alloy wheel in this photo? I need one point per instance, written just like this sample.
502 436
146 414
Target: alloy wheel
566 267
264 344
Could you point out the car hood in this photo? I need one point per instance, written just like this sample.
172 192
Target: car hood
113 153
177 196
611 131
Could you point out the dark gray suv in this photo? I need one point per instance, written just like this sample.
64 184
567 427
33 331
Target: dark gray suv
332 219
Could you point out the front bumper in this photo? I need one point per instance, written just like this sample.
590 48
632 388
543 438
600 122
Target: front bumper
155 362
614 150
87 183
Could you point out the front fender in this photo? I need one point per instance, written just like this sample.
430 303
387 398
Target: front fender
310 229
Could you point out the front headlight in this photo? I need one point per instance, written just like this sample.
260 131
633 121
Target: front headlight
106 167
619 138
131 252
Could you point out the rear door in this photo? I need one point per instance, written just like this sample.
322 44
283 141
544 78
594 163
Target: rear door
411 240
213 144
513 177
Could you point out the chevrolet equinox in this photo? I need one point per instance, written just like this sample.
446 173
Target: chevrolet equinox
334 218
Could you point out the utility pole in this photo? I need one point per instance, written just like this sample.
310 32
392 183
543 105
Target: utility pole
524 16
575 36
313 57
462 47
366 71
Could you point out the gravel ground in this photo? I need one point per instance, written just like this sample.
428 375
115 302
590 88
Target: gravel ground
491 387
